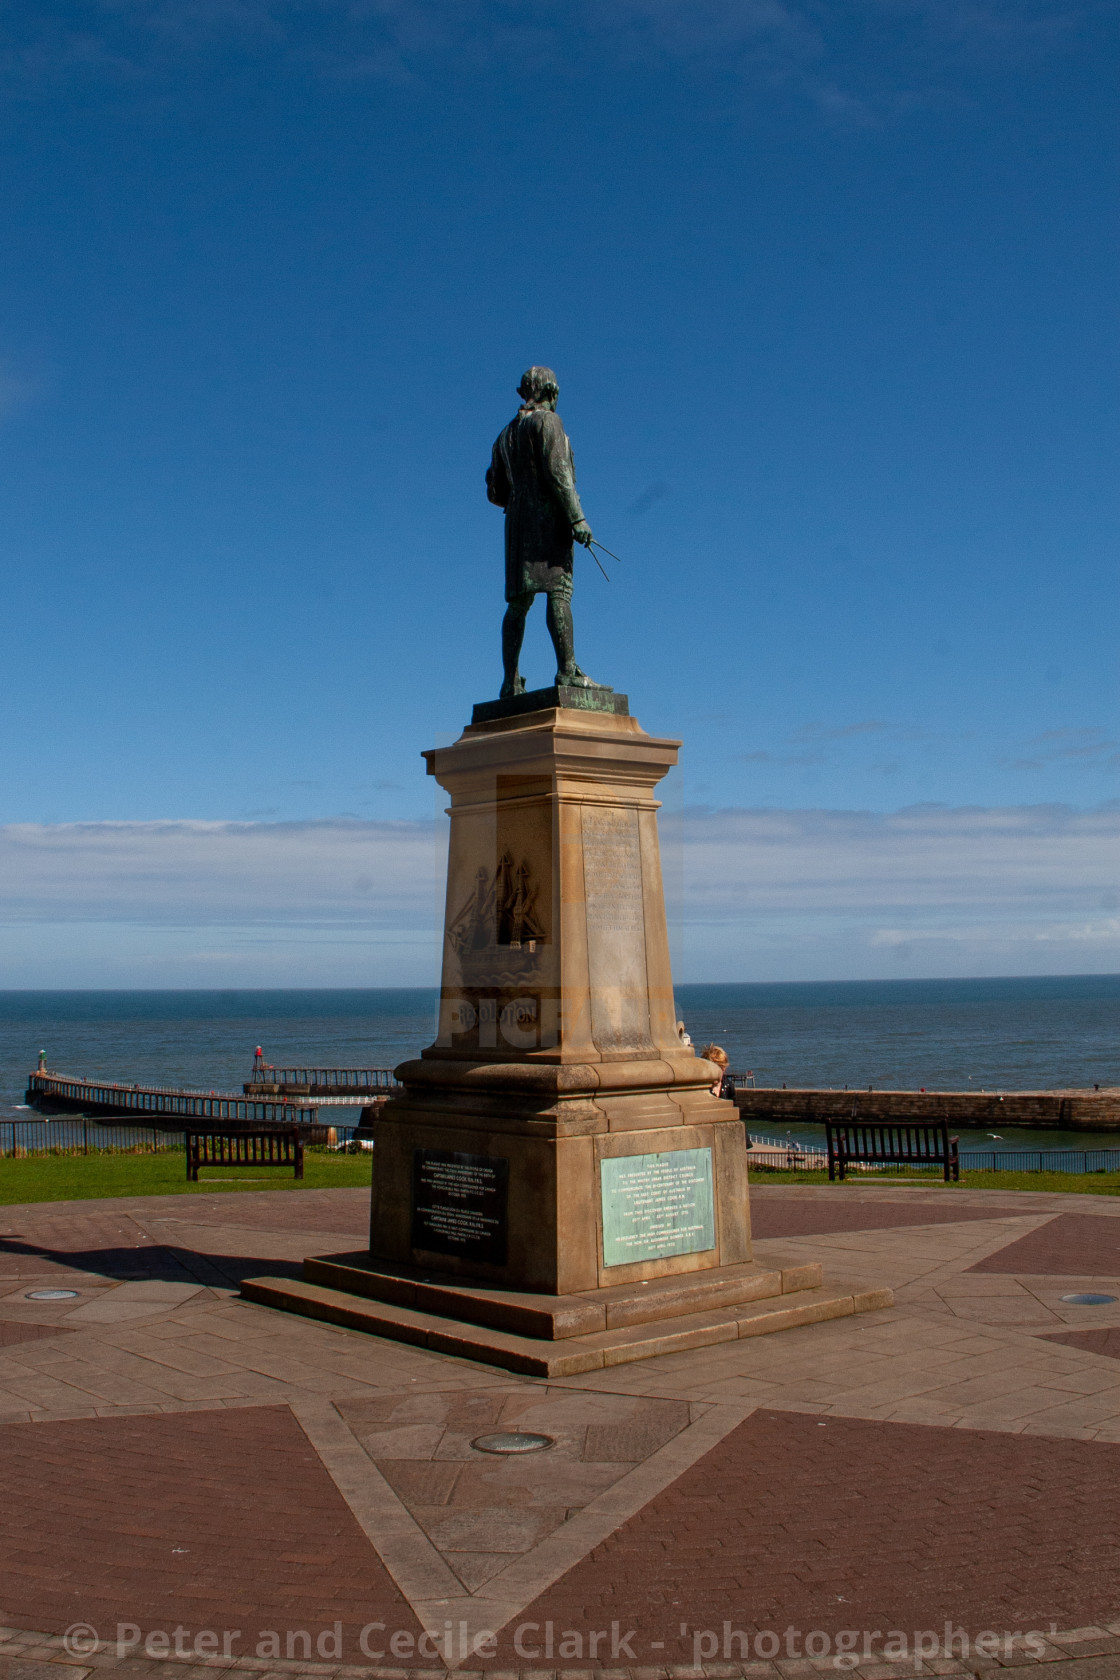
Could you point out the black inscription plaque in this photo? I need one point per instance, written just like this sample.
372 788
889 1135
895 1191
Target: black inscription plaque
459 1204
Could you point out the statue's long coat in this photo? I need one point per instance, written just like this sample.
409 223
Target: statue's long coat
532 475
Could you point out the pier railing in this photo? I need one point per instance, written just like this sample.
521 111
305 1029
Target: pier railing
331 1085
375 1079
83 1095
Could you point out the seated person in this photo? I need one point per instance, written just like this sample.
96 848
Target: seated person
724 1086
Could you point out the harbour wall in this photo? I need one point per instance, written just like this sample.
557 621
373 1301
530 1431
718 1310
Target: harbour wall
1074 1111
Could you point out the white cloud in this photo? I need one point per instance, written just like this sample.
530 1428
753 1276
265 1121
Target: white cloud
926 855
339 902
978 890
249 873
754 894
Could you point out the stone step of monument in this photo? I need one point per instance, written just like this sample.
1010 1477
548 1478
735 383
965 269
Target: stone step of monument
535 1357
557 1317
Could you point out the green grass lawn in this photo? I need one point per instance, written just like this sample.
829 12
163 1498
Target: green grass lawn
1092 1184
65 1177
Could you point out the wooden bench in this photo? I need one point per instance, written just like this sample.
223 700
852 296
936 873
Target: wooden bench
910 1143
279 1146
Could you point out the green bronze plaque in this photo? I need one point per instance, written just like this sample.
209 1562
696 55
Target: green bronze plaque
657 1205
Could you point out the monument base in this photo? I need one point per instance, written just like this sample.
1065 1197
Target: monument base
561 1335
556 1186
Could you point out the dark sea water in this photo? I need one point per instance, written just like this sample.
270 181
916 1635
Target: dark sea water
1016 1034
1020 1034
205 1040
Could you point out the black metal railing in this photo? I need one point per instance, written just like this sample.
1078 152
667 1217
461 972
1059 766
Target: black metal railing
40 1137
796 1154
321 1080
45 1088
90 1137
1041 1160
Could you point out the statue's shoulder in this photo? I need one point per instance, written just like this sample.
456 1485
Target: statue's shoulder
549 426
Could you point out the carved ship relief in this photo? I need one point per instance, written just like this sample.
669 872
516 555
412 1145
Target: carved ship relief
497 933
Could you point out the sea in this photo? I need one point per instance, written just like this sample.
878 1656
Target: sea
1033 1033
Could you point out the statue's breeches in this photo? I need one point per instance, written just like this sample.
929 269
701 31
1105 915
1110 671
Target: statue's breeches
525 598
538 546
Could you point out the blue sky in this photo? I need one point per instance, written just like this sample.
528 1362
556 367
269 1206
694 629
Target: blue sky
831 292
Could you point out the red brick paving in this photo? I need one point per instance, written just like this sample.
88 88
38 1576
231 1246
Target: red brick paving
347 1212
216 1520
105 1244
1105 1342
75 1241
844 1523
811 1218
1072 1245
227 1519
46 1243
11 1333
73 1232
344 1210
115 1244
76 1225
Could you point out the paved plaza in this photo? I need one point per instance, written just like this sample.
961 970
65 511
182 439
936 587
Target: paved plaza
193 1482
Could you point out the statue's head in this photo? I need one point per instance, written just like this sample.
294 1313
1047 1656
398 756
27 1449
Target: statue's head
538 387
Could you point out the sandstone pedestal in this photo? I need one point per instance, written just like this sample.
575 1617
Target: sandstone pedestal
556 1187
557 1056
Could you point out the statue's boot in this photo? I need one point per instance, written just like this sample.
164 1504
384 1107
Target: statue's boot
572 677
512 687
560 628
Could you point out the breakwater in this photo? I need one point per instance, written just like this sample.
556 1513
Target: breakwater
57 1093
1073 1111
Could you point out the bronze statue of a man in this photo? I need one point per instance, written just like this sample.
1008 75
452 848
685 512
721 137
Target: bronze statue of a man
532 475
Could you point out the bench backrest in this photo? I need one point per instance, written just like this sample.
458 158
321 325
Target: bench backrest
888 1140
228 1149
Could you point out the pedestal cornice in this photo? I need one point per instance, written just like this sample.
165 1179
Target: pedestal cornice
559 746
